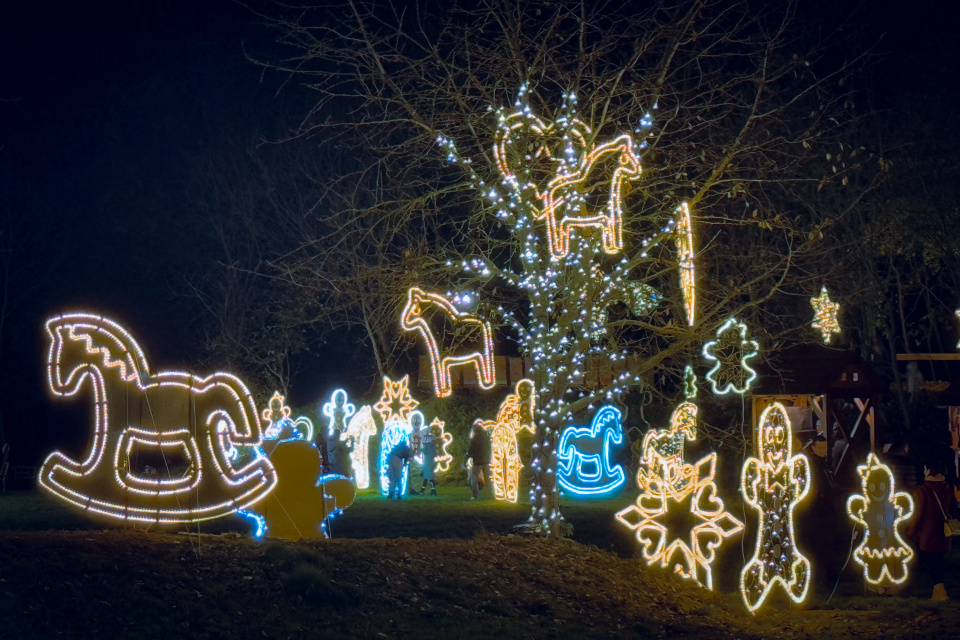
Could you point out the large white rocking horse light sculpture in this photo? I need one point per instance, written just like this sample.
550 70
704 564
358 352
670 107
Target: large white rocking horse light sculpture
205 432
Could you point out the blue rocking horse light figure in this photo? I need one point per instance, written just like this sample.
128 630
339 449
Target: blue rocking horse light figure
583 460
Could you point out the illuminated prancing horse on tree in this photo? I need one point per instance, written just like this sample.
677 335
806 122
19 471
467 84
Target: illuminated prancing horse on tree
562 203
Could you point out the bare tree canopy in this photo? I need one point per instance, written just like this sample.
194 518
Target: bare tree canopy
472 132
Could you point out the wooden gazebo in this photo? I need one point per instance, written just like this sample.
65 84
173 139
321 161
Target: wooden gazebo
831 396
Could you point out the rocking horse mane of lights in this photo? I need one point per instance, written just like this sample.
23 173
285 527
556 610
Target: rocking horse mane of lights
211 422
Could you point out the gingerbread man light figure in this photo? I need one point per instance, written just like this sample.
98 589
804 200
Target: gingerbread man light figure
338 411
881 510
774 484
515 414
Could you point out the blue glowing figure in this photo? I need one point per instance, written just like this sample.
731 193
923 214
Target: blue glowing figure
394 432
583 459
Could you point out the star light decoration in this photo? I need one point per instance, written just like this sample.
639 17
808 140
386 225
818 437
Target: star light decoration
396 404
825 313
881 510
666 482
731 351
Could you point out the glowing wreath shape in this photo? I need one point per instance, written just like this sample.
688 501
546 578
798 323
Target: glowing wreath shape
773 484
430 313
210 424
881 510
515 414
665 480
583 460
562 204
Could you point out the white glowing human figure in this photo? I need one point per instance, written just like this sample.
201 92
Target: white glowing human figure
773 484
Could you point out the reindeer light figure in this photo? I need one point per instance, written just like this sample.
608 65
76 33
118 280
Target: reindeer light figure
562 202
424 313
210 423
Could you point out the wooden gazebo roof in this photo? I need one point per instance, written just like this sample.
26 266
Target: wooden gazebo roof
815 369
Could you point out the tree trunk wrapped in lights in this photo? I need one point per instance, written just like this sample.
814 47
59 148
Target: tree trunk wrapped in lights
701 124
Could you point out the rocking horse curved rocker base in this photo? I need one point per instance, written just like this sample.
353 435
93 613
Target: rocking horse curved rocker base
208 426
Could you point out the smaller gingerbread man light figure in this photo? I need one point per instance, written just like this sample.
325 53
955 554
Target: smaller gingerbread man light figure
880 510
338 411
774 484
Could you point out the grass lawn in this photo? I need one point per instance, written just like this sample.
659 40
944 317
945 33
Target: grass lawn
426 567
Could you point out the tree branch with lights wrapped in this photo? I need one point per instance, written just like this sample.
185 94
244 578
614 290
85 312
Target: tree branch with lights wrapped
699 125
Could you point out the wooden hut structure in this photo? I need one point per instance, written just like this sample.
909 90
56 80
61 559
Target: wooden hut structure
831 396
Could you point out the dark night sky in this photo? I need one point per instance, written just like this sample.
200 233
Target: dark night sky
102 102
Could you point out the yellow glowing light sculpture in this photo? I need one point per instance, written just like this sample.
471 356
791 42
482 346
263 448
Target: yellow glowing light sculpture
360 429
665 480
825 313
443 439
731 351
396 403
562 203
685 257
277 415
881 510
421 308
957 313
304 499
211 423
773 484
515 414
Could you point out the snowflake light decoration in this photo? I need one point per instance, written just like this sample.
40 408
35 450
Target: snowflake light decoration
665 480
396 403
731 351
825 313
